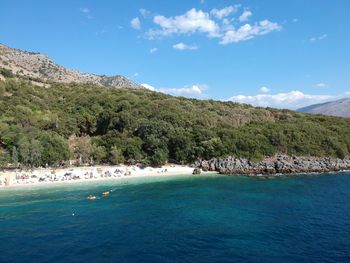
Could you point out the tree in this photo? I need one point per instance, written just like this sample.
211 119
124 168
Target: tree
99 154
14 156
212 148
6 73
80 148
35 153
4 158
181 146
132 150
116 156
24 151
159 157
54 148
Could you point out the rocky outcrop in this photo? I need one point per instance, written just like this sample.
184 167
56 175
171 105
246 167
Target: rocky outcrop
197 171
36 66
280 164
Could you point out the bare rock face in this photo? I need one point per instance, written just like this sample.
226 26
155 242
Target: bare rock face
340 108
36 66
280 164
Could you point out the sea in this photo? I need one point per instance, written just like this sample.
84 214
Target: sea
200 218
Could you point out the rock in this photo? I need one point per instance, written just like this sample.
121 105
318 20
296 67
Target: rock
197 171
279 164
205 166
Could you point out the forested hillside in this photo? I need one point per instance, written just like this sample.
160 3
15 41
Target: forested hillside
40 125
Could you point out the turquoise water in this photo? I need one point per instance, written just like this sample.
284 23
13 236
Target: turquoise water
183 219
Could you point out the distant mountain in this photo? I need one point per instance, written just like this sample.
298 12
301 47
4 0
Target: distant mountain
40 68
340 108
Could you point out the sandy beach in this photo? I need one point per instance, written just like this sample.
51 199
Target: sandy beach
45 176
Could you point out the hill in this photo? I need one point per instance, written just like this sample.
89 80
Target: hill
86 122
340 108
41 69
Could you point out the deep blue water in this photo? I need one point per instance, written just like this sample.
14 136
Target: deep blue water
197 219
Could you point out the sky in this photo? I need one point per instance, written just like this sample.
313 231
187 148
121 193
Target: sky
284 54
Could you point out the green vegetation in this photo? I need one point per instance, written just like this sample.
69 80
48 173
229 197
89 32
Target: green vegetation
86 123
6 73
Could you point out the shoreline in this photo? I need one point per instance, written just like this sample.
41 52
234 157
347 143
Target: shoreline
285 175
66 176
275 166
42 177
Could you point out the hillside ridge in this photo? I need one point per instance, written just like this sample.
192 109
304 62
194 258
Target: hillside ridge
339 108
92 124
39 67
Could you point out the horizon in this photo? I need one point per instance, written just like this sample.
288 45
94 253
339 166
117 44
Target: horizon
297 56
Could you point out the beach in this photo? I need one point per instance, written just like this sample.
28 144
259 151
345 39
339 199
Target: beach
48 176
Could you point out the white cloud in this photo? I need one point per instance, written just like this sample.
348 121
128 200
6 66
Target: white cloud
135 23
214 24
347 92
152 50
318 38
224 12
149 87
85 10
295 20
321 85
226 22
248 31
182 46
189 91
245 16
144 12
292 100
192 21
264 89
226 25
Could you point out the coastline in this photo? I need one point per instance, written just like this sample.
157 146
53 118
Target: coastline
63 176
285 175
279 165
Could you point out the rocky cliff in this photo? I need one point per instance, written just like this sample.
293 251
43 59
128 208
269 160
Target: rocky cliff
39 67
280 164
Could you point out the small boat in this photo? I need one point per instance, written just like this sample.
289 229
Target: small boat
91 197
106 193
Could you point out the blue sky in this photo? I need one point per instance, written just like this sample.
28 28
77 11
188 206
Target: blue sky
267 53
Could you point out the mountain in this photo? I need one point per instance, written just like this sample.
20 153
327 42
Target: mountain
80 118
340 108
41 69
